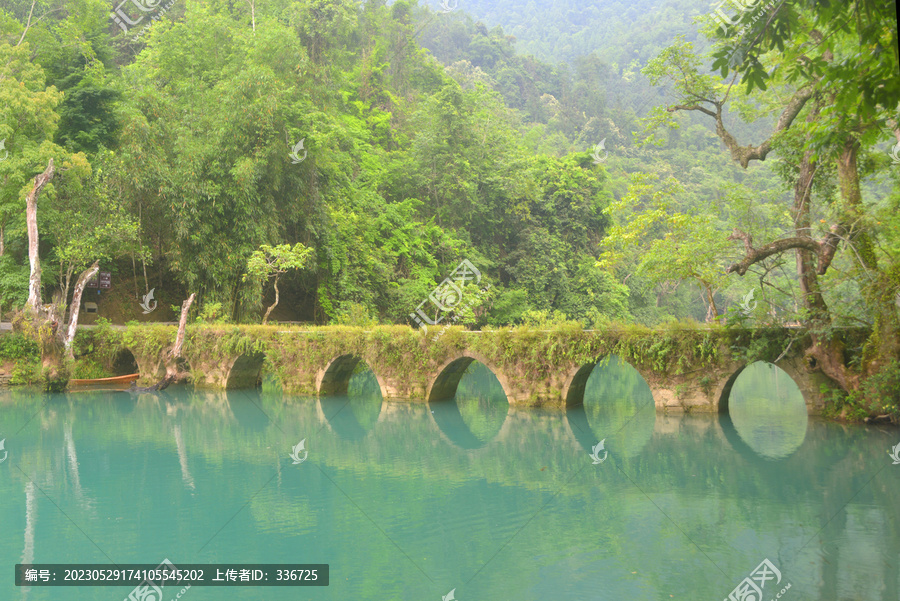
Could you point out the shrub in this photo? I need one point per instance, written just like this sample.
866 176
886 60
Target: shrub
18 347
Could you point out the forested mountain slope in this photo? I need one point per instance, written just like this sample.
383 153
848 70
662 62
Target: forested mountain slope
618 31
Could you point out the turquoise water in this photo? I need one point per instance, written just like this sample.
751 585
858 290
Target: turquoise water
411 501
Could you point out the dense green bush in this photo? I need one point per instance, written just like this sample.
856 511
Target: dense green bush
17 347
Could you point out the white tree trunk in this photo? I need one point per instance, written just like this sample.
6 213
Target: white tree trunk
182 323
172 367
34 282
76 305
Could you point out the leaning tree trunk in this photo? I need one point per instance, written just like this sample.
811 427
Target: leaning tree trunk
34 281
173 370
269 310
76 306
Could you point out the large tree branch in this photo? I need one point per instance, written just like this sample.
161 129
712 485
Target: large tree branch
28 23
745 154
824 250
691 107
829 246
76 305
34 281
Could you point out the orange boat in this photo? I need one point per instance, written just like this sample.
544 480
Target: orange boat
116 383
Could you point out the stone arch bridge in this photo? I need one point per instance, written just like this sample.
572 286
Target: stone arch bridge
687 370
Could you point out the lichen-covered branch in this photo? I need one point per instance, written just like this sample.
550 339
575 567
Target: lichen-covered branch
745 154
76 304
755 255
34 281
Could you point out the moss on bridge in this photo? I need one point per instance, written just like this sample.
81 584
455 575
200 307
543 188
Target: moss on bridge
686 366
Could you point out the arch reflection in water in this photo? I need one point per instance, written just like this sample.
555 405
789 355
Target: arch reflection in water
766 409
352 416
477 412
244 408
618 407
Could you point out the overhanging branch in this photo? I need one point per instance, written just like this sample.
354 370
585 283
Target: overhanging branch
745 154
823 250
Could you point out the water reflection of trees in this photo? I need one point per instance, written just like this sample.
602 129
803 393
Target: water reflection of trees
599 519
354 415
481 401
618 408
768 411
477 412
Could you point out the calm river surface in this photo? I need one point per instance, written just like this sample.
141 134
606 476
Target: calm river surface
413 502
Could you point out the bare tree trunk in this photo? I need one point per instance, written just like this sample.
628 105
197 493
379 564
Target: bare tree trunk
711 310
76 305
252 4
269 310
137 294
34 281
143 259
182 324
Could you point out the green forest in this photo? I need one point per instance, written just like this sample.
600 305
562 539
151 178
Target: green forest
335 161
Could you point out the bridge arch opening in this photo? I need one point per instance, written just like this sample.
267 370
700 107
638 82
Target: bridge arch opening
609 400
764 407
353 415
334 380
124 363
245 372
478 407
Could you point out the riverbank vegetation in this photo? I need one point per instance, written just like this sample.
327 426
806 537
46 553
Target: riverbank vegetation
671 168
